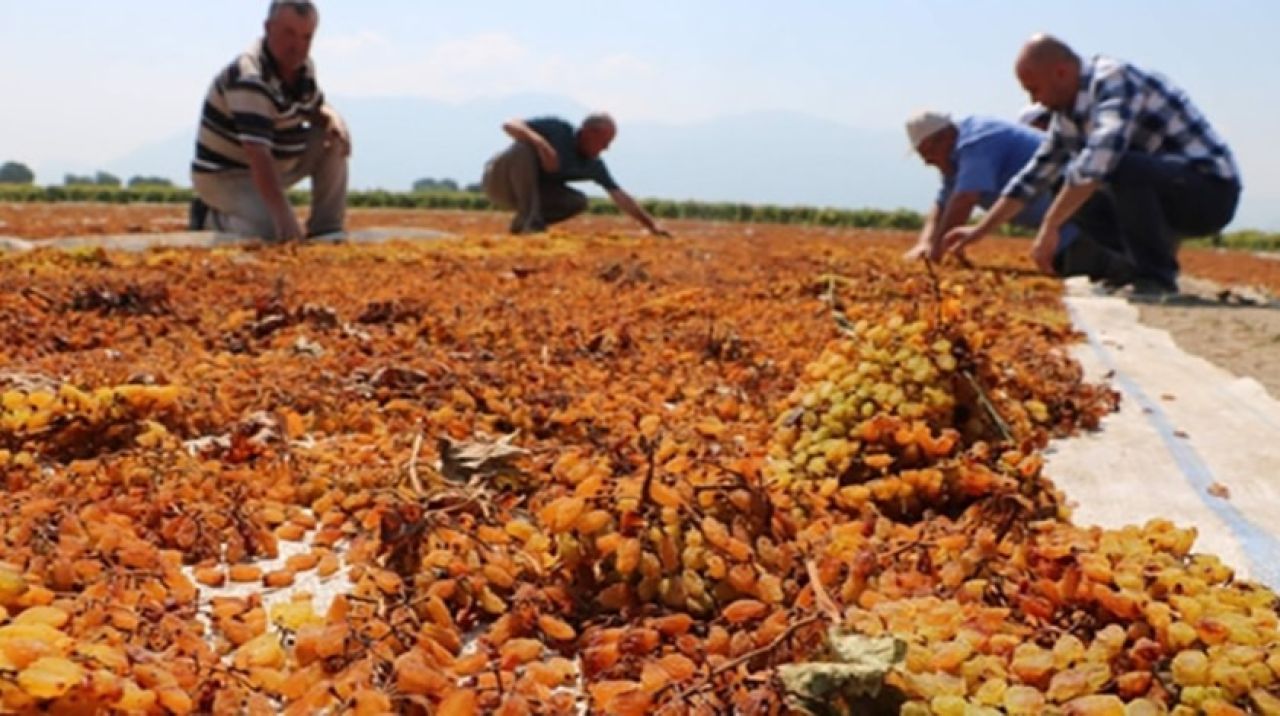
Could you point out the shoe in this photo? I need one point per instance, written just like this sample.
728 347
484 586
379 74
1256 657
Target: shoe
1148 289
1085 257
197 215
521 225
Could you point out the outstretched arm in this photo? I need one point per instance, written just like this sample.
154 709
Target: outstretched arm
266 179
520 131
1004 210
1065 206
629 207
928 236
955 212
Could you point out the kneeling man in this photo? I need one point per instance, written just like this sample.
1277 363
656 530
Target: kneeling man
1127 134
977 157
265 127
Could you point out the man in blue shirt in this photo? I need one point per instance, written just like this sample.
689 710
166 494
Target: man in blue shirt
1130 135
532 175
977 157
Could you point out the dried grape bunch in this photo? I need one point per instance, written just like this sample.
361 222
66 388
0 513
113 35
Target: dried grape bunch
592 473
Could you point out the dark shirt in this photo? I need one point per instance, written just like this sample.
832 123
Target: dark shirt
563 138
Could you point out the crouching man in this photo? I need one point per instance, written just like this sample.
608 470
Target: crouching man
266 126
532 176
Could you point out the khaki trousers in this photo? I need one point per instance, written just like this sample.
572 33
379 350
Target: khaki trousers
237 208
513 180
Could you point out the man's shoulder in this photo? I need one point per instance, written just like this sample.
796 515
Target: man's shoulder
978 124
1105 70
247 67
251 59
548 123
988 131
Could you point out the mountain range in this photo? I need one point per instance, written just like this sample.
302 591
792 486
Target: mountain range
776 157
761 157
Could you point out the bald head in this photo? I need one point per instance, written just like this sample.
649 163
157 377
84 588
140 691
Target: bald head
1049 70
596 134
599 120
1043 50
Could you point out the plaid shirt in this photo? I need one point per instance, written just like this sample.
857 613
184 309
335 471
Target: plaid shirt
1121 109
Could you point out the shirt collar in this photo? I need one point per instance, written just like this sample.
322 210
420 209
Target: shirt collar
1084 98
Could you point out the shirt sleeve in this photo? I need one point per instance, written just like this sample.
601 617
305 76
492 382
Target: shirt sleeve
600 174
975 171
252 110
1045 167
1113 121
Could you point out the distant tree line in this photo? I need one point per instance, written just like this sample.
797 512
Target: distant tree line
16 173
12 172
17 183
444 186
100 179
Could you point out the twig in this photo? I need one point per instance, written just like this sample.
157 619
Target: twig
414 481
767 648
905 548
820 595
651 452
936 285
709 681
988 406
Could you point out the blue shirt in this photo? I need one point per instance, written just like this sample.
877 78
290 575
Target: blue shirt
563 138
988 154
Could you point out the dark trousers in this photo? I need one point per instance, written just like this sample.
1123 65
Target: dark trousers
1151 202
514 180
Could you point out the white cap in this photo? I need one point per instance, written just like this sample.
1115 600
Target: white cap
925 124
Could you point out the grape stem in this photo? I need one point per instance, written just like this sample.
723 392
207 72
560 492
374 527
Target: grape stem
709 681
415 482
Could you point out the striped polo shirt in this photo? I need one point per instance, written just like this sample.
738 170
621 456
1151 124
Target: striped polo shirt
249 102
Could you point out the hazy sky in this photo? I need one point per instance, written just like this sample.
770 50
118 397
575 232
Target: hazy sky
90 81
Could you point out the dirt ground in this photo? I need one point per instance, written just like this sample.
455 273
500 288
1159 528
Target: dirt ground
1243 340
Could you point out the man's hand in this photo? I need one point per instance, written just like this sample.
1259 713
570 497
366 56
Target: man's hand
923 251
659 231
336 129
1044 248
287 226
960 238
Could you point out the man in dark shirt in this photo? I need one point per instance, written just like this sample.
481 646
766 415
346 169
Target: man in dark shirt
532 175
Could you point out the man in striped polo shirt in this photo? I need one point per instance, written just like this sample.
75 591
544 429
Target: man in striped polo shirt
1124 142
265 127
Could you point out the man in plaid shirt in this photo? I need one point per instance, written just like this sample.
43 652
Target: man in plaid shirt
1131 151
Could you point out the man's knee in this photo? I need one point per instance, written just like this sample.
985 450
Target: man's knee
234 204
519 158
561 202
322 159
